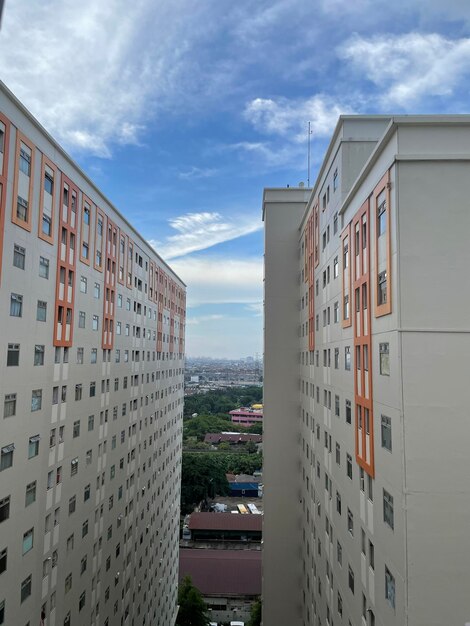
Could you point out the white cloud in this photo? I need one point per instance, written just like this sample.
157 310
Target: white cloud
197 172
256 307
95 71
200 319
198 231
410 67
218 280
289 118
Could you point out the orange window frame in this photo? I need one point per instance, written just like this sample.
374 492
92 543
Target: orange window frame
383 185
20 138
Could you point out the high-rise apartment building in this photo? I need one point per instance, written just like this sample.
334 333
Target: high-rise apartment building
91 398
366 429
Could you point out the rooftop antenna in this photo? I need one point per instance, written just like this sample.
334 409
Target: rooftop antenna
308 159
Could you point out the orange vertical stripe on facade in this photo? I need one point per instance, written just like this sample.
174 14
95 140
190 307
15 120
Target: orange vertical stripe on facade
66 260
361 310
45 161
109 297
20 138
86 203
383 185
3 184
99 240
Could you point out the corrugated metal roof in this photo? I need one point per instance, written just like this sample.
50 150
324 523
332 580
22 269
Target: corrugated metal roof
232 437
223 572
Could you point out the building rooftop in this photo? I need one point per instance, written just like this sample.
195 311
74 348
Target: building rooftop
225 521
246 411
222 572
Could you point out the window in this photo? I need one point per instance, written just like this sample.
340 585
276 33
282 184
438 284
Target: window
38 355
19 255
91 422
336 358
25 161
81 601
371 555
30 495
36 400
72 505
351 579
381 215
94 355
346 307
78 392
92 389
118 328
349 466
386 430
350 522
384 359
4 509
389 588
347 358
43 267
76 429
48 183
22 209
96 291
26 588
128 304
81 319
74 466
13 354
3 561
83 284
41 311
33 446
95 323
382 288
335 267
16 305
335 179
9 407
338 503
68 585
119 301
28 540
86 493
388 509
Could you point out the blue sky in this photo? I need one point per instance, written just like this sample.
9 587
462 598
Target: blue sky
183 110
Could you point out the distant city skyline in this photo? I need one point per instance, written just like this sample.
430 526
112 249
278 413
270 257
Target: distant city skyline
198 107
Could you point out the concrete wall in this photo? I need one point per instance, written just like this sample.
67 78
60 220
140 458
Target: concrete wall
283 210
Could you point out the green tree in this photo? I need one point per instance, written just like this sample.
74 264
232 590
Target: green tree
202 476
193 610
255 615
250 447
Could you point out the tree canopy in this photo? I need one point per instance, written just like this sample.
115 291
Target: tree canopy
203 475
193 610
222 400
255 615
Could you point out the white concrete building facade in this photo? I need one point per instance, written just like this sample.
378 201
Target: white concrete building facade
91 397
367 498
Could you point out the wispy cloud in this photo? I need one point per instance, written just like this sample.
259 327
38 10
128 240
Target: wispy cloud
288 118
92 70
197 172
198 231
221 280
256 307
409 67
200 319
